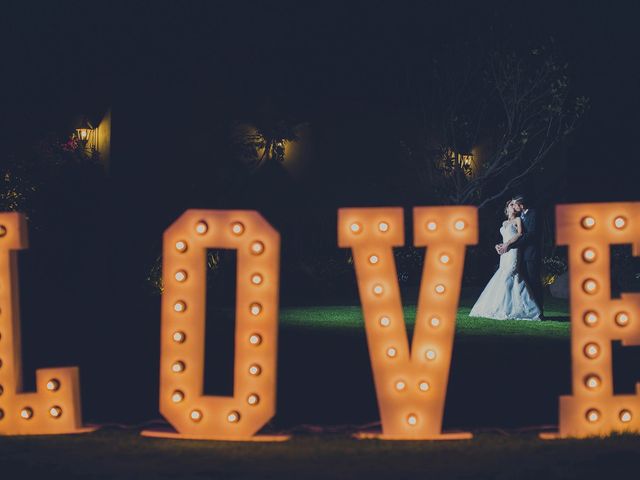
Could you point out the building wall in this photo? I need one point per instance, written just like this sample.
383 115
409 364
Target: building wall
103 139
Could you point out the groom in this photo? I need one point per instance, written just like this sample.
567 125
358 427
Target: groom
529 246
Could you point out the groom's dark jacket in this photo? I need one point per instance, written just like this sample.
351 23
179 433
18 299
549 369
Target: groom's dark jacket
530 241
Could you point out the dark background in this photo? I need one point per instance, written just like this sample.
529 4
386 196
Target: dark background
177 74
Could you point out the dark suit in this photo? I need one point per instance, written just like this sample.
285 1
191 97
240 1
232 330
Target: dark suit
529 253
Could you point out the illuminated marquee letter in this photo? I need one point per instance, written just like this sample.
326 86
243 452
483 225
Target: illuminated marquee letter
182 400
597 319
411 385
55 407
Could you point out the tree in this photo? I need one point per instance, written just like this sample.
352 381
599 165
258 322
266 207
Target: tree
517 107
64 167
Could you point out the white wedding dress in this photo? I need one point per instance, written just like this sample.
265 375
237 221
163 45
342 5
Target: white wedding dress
506 296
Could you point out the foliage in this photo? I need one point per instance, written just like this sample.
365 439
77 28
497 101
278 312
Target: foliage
25 177
16 190
327 268
625 269
262 142
409 263
552 268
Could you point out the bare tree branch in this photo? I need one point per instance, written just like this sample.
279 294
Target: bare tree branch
516 105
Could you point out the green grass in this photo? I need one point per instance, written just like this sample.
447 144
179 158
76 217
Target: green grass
125 455
350 318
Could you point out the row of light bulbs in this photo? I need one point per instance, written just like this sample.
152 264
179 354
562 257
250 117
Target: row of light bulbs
592 318
383 227
237 228
593 415
27 413
423 386
257 248
589 222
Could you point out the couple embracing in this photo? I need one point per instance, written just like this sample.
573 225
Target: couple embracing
515 291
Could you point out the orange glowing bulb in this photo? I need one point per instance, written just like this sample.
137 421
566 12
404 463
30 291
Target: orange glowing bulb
588 222
625 416
201 228
620 223
178 367
255 309
237 228
460 225
589 255
53 385
590 286
257 248
181 246
177 396
591 350
592 381
622 319
590 318
593 415
55 412
179 337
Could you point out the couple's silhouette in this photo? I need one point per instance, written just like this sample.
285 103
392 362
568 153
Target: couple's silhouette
515 291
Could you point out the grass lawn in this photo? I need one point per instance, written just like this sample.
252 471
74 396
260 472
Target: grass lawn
325 380
350 317
495 369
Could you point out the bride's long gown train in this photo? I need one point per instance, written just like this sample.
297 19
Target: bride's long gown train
506 296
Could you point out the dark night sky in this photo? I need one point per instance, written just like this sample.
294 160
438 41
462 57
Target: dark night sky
197 63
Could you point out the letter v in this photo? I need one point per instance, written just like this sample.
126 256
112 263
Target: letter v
410 384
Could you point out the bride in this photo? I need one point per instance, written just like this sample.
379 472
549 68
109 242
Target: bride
506 296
